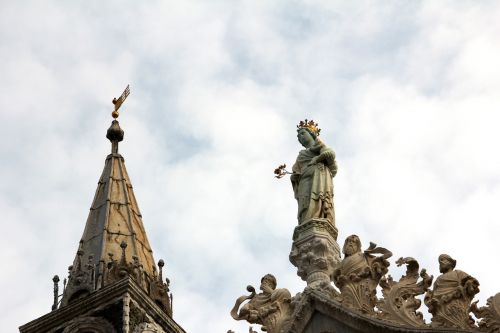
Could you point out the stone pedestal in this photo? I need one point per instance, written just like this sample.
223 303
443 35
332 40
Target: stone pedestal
315 251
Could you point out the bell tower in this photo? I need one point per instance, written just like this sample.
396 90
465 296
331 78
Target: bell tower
114 284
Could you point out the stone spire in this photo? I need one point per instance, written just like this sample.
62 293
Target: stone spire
113 285
114 243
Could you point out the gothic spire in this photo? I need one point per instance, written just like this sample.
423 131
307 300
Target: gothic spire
114 243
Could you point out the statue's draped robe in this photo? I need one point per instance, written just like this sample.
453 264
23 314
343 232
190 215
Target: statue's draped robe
450 283
358 275
313 185
353 280
355 265
272 309
449 301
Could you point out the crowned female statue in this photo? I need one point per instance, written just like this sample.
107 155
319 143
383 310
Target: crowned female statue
312 175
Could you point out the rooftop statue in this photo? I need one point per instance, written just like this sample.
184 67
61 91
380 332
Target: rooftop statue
359 274
450 299
312 175
315 251
270 308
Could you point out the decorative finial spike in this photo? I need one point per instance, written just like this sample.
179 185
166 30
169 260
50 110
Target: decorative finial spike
161 263
123 245
55 279
115 133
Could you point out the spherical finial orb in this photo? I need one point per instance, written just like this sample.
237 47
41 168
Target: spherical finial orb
115 114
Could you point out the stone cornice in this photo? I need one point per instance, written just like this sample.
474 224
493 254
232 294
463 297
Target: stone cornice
98 299
316 301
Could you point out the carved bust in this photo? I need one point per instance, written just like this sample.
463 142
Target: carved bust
451 296
270 308
359 274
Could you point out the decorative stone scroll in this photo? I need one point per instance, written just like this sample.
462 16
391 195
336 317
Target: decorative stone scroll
450 299
399 304
270 308
489 316
359 273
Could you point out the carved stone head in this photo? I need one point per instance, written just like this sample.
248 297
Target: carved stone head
446 263
352 245
306 137
268 283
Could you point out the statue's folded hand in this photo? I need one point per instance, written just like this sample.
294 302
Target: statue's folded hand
314 160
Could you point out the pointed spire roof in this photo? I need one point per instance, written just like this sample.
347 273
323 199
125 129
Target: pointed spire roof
114 243
114 215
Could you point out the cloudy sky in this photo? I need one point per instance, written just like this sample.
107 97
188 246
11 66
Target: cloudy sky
407 93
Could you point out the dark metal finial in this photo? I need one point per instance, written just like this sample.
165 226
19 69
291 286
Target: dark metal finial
161 263
123 245
115 134
55 279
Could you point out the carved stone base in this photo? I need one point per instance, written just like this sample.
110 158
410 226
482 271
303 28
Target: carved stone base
315 251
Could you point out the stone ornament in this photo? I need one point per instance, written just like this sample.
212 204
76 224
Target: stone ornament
399 304
270 308
315 252
359 274
81 279
312 175
489 316
449 302
157 289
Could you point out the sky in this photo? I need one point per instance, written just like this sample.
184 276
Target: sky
405 92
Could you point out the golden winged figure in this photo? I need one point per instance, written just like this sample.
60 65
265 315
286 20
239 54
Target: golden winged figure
118 102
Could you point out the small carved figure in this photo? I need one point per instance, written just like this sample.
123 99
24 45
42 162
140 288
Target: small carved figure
449 302
312 175
270 308
399 304
359 273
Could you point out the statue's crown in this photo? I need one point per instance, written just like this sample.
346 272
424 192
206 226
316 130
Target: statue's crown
309 125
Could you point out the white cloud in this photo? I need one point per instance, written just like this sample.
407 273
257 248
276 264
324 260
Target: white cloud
405 94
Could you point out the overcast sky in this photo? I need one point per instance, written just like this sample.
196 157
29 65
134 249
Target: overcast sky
407 93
